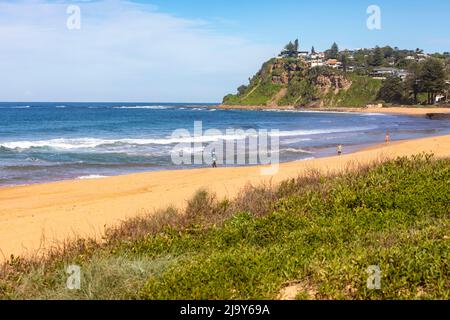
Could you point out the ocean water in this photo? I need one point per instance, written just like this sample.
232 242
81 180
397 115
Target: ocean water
41 142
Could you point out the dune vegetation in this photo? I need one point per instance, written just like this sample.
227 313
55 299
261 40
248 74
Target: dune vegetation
312 237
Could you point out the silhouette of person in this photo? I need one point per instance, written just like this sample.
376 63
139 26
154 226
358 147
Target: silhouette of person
214 160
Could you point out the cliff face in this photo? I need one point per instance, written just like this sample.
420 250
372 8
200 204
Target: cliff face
284 71
283 82
332 83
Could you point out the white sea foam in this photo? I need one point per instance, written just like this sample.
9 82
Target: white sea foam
294 133
89 143
143 107
293 150
92 176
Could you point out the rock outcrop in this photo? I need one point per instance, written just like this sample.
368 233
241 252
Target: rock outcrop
291 82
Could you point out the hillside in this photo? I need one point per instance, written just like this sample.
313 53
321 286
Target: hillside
290 82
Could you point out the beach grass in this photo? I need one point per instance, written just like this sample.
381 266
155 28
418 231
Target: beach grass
313 237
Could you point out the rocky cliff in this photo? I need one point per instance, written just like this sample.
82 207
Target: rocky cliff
290 82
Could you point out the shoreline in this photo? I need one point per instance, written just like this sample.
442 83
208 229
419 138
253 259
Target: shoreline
411 111
354 148
36 217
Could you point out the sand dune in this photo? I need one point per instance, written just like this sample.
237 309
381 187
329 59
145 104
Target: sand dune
36 216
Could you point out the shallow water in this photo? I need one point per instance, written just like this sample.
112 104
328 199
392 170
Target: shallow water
42 142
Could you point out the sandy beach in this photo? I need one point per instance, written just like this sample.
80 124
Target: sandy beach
388 110
35 217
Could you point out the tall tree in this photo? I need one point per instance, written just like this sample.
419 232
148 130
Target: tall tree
377 57
391 90
289 50
388 52
313 51
433 78
344 60
413 81
333 52
296 45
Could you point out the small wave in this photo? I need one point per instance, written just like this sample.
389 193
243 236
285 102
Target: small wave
61 107
188 150
143 107
91 176
305 159
21 107
294 133
372 114
89 143
280 110
293 150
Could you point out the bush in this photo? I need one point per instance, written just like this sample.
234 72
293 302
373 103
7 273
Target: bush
317 234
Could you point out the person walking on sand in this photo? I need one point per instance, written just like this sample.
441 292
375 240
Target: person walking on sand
387 139
339 149
214 160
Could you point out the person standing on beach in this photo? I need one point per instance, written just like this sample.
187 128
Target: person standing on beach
214 160
339 149
387 139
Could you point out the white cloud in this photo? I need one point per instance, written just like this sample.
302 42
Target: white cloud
123 51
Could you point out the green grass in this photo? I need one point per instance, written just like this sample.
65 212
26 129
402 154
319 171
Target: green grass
364 90
320 233
259 97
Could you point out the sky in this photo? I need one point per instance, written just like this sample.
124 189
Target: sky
185 51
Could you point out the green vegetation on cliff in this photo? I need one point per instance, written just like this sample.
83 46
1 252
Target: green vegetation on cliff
364 90
316 234
289 81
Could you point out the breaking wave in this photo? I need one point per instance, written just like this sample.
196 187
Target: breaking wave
90 143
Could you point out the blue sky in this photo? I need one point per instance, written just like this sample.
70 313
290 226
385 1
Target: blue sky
185 51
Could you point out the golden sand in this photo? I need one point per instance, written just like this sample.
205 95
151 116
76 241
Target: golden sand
34 217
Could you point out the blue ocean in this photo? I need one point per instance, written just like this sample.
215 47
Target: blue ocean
41 142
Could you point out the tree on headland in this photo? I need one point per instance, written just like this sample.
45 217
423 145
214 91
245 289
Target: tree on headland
333 52
392 90
242 89
414 82
313 50
388 52
433 78
343 58
291 49
377 57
